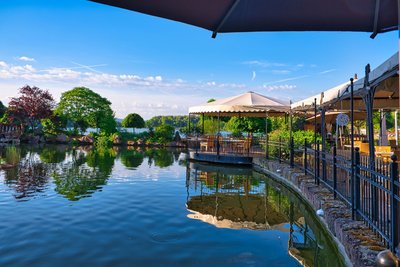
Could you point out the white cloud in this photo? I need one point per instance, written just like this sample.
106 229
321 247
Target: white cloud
263 64
327 71
288 79
284 87
281 72
23 58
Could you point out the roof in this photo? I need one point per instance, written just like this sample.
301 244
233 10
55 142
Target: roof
247 104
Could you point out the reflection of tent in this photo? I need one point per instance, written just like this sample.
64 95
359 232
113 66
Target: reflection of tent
260 15
236 211
249 104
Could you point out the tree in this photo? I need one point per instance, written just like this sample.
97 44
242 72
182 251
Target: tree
33 105
133 120
83 107
3 109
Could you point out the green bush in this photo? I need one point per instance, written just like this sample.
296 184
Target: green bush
298 139
164 133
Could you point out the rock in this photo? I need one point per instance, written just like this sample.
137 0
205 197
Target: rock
62 138
117 140
131 143
86 140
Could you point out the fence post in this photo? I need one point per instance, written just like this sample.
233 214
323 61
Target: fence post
280 149
334 171
394 176
317 167
305 156
291 152
266 146
357 179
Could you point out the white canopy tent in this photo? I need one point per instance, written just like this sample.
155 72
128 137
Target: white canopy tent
249 104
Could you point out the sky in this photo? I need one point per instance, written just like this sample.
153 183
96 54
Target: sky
153 66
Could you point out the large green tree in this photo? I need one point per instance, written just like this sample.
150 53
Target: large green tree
133 120
85 108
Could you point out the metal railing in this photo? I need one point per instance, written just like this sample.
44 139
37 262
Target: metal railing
217 144
371 190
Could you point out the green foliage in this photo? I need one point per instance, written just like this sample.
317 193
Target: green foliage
12 155
298 139
164 133
3 109
210 100
175 121
133 120
85 108
103 140
238 125
54 125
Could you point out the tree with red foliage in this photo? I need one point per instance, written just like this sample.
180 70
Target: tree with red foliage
33 105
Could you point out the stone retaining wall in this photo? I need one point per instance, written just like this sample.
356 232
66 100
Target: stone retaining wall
359 242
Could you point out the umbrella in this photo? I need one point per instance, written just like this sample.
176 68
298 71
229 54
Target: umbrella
260 15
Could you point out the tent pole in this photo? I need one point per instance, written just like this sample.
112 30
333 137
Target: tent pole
266 134
315 123
218 134
396 130
202 125
189 124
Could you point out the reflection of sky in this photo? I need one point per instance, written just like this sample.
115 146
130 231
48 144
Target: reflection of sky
122 174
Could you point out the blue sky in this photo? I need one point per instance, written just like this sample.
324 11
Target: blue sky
153 66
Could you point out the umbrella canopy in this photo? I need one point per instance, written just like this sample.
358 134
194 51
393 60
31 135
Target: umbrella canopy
260 15
249 104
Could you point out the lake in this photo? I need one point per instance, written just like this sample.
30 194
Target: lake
64 206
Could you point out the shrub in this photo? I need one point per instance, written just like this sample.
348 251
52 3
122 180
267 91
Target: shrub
164 133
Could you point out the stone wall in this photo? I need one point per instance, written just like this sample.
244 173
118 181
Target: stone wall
359 242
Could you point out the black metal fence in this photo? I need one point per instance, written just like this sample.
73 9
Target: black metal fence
371 189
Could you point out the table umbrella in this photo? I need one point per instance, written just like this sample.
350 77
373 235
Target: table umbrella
374 16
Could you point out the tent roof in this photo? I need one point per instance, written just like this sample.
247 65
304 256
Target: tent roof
247 104
381 77
260 15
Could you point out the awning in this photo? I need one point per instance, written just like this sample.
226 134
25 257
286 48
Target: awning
385 77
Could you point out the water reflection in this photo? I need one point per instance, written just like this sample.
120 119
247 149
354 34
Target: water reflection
76 172
242 199
29 177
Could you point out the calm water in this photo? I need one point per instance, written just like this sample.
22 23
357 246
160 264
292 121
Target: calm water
81 207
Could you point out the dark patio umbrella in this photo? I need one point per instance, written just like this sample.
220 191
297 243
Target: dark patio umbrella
374 16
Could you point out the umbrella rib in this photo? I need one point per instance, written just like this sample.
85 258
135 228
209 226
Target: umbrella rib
231 9
376 17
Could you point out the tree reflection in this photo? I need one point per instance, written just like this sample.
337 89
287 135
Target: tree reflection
160 157
29 178
131 158
53 154
76 180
